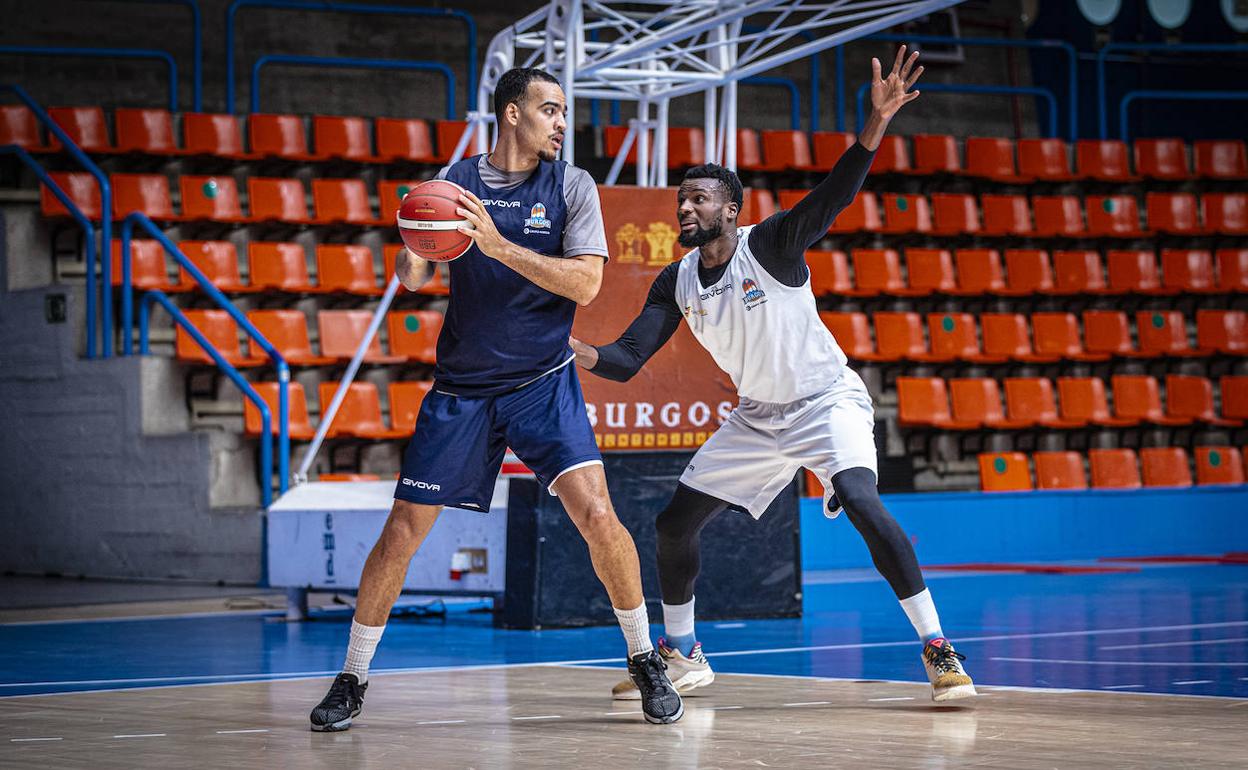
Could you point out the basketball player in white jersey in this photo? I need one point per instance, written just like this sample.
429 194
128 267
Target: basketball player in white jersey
745 293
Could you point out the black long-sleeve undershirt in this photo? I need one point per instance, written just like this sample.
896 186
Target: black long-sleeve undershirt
779 244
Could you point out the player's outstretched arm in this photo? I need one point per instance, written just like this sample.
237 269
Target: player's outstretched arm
578 278
413 271
649 331
888 95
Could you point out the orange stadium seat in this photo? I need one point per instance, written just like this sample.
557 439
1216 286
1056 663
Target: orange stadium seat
1172 213
862 214
954 214
346 268
979 272
1188 270
1219 465
759 204
405 401
287 330
978 400
1078 271
279 266
1133 271
991 158
686 146
829 273
213 134
85 125
1031 400
212 198
1226 213
297 425
1006 337
899 336
1114 469
1004 472
220 330
1191 398
1058 215
923 402
750 151
342 200
1006 215
1165 467
341 332
1232 270
19 126
1221 158
1102 159
279 136
82 190
876 272
954 337
218 261
1163 333
1161 159
449 133
852 332
148 193
929 271
348 138
281 200
612 141
1059 470
1138 397
1057 334
936 154
892 156
1108 332
400 139
906 214
1083 400
359 414
828 147
1234 391
144 130
782 149
1044 159
390 194
1222 331
1113 215
1027 272
436 285
148 269
414 334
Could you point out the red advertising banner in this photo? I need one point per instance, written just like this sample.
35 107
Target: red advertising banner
680 397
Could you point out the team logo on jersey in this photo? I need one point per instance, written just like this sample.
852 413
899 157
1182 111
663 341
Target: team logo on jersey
754 296
537 218
690 311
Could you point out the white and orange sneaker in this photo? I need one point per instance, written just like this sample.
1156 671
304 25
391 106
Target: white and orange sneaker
944 670
686 673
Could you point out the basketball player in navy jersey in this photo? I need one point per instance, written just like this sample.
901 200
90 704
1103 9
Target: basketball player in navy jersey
504 378
745 293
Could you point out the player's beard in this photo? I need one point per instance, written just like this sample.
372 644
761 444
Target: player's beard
701 235
546 155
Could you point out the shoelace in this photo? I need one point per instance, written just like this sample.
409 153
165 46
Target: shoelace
653 669
343 691
943 658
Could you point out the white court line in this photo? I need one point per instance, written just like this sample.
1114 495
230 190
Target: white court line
729 625
32 740
1174 644
238 732
882 700
131 618
1121 686
1194 681
1121 662
722 708
445 722
143 735
548 716
810 703
620 713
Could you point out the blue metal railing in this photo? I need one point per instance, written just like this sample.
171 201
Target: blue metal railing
1102 56
1132 96
279 363
977 89
197 43
795 98
104 53
348 63
324 6
106 232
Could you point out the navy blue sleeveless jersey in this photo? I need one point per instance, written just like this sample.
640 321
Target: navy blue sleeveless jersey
501 329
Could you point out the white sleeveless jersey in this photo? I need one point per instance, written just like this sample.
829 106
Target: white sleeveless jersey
767 336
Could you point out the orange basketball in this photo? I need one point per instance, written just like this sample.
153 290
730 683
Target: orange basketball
427 221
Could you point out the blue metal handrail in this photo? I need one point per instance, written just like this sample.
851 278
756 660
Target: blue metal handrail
1102 106
279 363
977 89
349 63
266 416
990 42
106 232
1142 95
323 5
105 53
197 42
795 98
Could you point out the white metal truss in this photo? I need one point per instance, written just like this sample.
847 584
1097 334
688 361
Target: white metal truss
651 52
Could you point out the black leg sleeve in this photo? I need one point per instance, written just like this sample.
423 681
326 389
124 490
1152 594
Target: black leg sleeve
890 547
679 530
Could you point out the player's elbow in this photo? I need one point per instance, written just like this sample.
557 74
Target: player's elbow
586 293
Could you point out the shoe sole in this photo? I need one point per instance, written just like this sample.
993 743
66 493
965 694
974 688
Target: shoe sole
954 693
665 720
334 727
683 685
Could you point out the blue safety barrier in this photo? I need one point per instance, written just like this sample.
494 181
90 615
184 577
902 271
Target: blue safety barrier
321 5
106 232
1132 96
977 89
348 63
1102 56
279 363
104 53
197 43
1072 83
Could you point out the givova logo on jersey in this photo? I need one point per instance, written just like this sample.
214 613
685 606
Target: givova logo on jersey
754 296
537 219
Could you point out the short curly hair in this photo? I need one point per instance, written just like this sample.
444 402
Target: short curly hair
732 185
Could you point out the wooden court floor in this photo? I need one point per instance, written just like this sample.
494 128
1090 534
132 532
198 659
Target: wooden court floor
544 716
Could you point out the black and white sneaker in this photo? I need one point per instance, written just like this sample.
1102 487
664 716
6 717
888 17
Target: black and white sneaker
341 704
660 703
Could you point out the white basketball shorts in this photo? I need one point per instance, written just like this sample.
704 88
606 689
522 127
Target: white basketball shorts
756 452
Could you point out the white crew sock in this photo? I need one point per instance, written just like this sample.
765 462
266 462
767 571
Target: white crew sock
922 613
360 649
636 627
678 619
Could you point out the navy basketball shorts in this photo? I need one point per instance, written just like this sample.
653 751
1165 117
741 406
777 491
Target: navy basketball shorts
457 448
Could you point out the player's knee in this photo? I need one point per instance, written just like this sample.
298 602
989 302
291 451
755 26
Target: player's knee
670 526
596 519
403 527
856 492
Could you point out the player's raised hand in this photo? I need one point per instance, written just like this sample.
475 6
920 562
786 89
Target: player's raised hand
888 94
483 230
